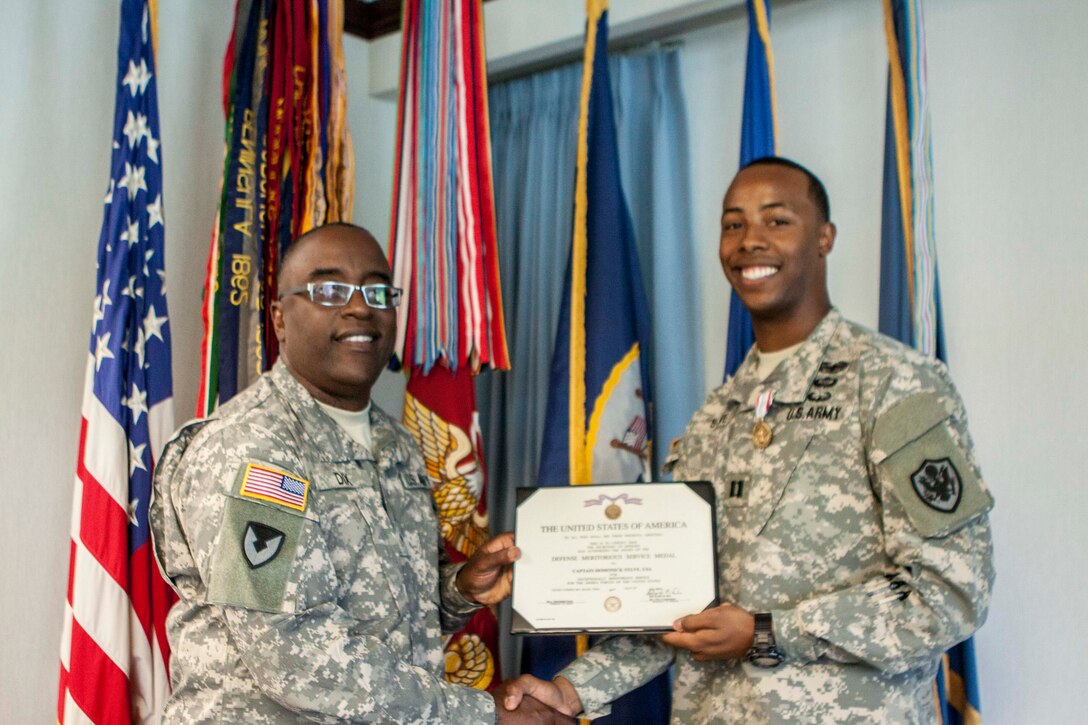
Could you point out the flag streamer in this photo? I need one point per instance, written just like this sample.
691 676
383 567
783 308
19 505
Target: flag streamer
442 235
114 653
287 168
909 127
444 255
910 302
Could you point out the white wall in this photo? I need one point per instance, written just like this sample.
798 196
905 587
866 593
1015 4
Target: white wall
1012 148
1007 96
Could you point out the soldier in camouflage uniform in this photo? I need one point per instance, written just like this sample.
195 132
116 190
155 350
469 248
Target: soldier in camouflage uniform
307 561
852 514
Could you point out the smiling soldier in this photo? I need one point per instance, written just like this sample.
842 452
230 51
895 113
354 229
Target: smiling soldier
854 542
296 525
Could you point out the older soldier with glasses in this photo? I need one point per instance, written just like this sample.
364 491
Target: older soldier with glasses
297 527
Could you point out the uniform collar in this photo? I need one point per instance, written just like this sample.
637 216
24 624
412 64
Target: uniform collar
327 440
792 378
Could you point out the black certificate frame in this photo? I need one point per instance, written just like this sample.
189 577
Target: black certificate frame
521 626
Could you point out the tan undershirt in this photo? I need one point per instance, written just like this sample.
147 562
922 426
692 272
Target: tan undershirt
355 423
768 361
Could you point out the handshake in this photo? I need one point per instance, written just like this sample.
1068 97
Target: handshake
724 632
529 700
486 579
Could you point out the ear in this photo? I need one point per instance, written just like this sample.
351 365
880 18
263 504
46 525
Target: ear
827 238
277 321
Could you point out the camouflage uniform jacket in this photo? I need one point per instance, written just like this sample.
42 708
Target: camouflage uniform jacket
862 528
315 600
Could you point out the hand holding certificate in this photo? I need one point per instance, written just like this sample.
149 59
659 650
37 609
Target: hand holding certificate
613 558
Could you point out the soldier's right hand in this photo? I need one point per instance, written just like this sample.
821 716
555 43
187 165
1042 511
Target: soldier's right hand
487 577
515 695
531 712
718 633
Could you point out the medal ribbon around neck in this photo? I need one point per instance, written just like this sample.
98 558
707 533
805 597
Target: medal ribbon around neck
761 432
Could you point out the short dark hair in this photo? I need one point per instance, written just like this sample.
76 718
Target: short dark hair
816 190
306 235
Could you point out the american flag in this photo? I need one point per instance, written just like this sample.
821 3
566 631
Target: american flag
113 650
272 485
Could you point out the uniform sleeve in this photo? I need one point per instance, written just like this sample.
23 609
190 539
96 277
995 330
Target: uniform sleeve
454 609
936 589
614 667
303 650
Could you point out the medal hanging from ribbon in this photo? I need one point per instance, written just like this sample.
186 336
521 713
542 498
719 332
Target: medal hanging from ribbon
761 431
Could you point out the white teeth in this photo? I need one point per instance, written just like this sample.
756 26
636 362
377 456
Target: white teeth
757 272
358 338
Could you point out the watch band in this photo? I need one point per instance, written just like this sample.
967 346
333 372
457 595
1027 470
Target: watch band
764 651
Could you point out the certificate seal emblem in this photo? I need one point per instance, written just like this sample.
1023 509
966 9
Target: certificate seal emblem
613 511
612 604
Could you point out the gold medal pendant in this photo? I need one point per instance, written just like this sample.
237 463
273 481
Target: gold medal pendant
761 434
761 431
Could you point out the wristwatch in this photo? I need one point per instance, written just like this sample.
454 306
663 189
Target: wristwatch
764 652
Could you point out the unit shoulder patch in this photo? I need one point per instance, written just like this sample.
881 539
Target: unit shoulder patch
937 483
261 544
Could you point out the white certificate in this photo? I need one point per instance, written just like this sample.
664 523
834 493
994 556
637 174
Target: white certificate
613 557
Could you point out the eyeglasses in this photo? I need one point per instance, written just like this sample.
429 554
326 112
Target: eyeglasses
338 294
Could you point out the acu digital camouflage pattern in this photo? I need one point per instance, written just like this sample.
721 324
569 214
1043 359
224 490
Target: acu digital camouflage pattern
818 529
343 623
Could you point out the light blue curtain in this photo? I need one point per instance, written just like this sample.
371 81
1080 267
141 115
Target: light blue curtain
534 132
533 135
652 133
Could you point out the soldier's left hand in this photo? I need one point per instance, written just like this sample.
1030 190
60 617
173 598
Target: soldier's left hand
488 575
724 632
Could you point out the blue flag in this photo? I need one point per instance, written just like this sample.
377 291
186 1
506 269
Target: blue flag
757 139
910 300
597 427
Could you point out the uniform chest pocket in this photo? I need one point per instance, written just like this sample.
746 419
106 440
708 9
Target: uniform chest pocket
363 545
408 500
772 470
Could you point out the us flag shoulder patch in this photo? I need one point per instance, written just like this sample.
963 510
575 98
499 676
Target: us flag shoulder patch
268 484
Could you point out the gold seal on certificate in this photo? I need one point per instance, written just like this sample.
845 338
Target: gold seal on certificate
613 557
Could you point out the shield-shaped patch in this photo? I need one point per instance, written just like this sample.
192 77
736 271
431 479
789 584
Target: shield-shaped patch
938 484
261 544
